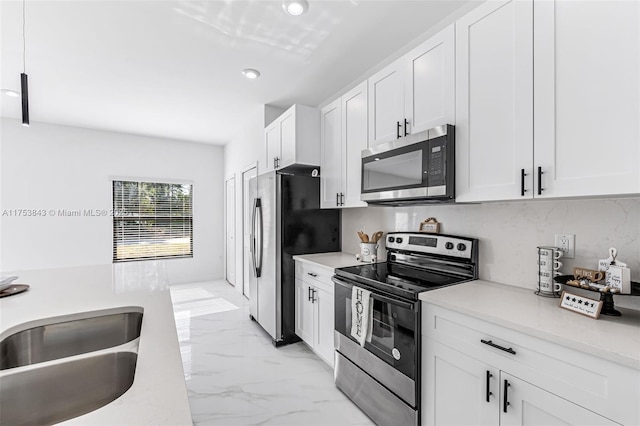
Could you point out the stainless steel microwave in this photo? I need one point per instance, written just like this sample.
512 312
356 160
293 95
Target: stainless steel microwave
417 169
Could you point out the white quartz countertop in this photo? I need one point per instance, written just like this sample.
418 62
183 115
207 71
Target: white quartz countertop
329 260
613 338
158 395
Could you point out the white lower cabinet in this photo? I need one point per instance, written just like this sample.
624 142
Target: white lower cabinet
454 388
527 404
314 318
461 390
478 373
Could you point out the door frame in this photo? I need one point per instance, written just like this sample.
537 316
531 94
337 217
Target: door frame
227 221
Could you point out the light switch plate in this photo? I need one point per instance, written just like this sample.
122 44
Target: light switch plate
567 243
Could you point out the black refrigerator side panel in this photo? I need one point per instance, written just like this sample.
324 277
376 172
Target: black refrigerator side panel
305 229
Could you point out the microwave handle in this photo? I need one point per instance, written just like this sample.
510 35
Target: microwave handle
375 295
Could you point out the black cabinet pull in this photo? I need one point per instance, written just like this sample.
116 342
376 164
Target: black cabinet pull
489 393
342 198
337 198
309 293
398 130
522 175
313 296
312 274
505 400
502 348
406 123
275 163
540 189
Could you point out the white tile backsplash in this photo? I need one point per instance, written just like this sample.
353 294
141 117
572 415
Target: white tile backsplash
509 233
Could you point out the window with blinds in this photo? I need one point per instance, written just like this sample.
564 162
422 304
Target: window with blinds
152 220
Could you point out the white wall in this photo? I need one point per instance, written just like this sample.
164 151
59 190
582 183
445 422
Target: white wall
54 167
510 232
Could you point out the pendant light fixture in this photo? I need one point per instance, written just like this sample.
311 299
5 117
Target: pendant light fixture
24 84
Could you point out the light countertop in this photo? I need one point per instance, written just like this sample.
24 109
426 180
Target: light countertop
158 395
613 338
329 260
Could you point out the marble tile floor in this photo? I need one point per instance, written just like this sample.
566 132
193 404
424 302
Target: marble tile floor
234 374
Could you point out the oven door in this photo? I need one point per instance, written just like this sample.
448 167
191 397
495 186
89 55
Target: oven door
395 324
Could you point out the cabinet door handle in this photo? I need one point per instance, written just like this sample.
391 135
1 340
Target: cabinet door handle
313 296
505 397
312 274
406 124
398 130
540 189
489 393
502 348
337 199
342 198
309 293
522 175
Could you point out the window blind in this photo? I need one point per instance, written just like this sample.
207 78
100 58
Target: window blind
152 220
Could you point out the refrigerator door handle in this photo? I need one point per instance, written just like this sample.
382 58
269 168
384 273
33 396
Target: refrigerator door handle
252 244
260 229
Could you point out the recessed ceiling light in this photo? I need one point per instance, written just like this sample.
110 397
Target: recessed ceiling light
251 73
11 93
295 7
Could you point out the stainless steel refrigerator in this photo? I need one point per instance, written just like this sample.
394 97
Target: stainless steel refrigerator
286 221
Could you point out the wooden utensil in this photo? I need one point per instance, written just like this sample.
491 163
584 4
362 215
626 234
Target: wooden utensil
363 237
376 236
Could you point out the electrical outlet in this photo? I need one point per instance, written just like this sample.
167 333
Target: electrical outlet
567 243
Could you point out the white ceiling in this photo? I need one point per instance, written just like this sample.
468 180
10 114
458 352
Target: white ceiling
173 68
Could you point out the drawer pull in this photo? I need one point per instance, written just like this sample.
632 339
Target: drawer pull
502 348
312 274
489 393
505 401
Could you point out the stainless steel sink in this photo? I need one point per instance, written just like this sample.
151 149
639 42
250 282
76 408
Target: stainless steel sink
58 392
62 338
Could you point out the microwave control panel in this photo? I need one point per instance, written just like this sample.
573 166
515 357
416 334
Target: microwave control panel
437 161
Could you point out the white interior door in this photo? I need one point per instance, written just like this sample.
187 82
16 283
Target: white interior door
247 207
230 227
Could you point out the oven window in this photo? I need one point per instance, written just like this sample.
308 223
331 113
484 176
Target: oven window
397 171
394 327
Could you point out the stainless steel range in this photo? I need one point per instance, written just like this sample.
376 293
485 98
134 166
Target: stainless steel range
383 376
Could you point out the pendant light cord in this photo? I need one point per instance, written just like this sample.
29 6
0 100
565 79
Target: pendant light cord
24 38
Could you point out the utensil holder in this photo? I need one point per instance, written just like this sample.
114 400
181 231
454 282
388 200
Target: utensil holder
368 252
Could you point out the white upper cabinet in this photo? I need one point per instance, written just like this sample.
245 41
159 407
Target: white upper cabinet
293 138
548 100
386 104
429 84
354 139
343 125
272 142
414 93
587 97
494 101
331 154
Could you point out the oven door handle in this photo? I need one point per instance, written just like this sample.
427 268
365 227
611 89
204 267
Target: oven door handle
374 294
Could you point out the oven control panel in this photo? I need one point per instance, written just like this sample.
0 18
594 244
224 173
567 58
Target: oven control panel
446 245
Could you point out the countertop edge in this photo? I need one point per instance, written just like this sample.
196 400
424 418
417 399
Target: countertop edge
329 261
436 298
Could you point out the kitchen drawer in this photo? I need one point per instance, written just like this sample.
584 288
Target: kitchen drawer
594 383
316 275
